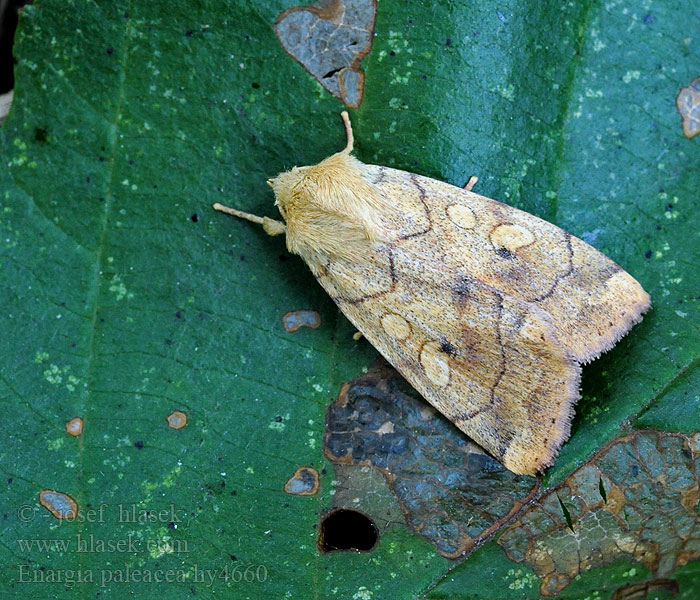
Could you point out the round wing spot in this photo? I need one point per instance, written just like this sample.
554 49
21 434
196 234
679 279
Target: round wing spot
461 216
435 363
511 237
396 326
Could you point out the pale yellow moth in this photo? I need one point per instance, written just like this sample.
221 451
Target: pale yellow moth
486 310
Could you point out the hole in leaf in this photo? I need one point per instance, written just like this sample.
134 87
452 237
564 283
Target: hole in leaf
331 73
347 530
567 516
601 489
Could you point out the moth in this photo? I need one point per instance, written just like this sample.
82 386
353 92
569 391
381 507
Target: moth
486 310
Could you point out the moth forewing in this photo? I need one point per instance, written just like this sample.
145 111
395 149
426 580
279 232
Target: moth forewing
485 309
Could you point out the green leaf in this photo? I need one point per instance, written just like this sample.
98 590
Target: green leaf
125 297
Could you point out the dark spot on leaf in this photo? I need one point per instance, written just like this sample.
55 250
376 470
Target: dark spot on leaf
647 254
178 314
392 53
255 85
448 42
189 33
110 51
278 419
649 19
194 218
41 135
347 530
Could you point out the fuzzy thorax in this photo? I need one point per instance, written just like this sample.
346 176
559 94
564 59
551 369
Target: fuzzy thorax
331 209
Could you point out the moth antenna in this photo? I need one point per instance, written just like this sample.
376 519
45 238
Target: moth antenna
270 226
348 132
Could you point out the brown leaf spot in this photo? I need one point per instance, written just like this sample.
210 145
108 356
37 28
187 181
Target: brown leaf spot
60 505
304 482
649 512
329 39
176 419
74 427
301 318
449 491
688 103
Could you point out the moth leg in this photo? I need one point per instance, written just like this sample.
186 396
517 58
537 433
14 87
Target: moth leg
348 132
471 183
270 226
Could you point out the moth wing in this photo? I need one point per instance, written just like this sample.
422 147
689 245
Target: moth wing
591 301
490 363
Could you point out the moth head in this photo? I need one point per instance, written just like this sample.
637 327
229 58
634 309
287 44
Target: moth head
329 208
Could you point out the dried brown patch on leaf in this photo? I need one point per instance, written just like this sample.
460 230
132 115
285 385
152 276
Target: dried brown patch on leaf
295 319
176 419
450 491
304 482
643 590
60 505
688 103
329 39
648 513
74 427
